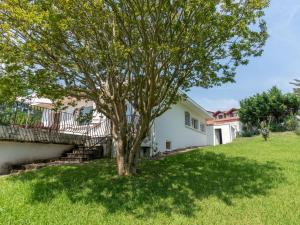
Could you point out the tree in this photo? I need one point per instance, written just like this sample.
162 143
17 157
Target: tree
271 107
296 83
11 87
265 130
136 53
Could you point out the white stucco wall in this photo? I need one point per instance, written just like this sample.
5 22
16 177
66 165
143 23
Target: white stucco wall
17 152
226 134
237 125
171 127
210 135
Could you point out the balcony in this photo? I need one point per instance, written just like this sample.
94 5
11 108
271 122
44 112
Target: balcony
26 123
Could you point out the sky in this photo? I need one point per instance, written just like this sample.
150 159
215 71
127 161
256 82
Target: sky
278 66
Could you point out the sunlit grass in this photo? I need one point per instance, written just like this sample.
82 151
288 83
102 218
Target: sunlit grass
247 182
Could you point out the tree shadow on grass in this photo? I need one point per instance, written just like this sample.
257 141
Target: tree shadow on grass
172 185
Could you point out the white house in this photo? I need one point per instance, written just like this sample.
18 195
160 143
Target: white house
182 126
185 125
53 133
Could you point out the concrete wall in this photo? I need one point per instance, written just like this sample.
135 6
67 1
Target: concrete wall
18 152
171 127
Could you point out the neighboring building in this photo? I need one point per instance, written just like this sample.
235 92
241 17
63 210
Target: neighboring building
225 126
230 114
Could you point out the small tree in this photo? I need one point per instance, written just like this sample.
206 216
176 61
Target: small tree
265 130
291 123
297 131
121 53
296 83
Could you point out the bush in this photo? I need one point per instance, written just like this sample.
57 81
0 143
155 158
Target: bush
277 127
264 130
291 123
297 130
248 131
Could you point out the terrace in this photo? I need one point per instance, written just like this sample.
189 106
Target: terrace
22 122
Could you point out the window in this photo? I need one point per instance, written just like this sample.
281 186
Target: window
195 123
220 116
187 117
145 152
168 145
85 115
203 127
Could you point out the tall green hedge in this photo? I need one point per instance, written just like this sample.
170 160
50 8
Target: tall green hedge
273 106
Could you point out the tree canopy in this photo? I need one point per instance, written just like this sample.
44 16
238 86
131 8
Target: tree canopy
128 52
272 107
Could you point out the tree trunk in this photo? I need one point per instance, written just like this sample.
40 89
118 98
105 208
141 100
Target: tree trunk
126 167
121 158
127 144
121 163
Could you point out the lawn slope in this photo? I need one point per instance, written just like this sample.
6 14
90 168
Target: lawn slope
247 182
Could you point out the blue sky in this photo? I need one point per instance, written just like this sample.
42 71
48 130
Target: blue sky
279 64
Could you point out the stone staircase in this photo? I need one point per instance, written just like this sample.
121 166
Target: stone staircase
79 154
82 154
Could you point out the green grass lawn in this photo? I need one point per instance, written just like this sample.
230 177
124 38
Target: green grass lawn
247 182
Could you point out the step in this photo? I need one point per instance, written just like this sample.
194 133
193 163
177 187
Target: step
81 148
76 151
74 159
77 157
84 155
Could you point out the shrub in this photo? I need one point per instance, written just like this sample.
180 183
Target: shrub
291 123
297 130
264 130
277 127
248 131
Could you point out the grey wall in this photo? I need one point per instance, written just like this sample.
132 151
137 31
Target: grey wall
17 152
